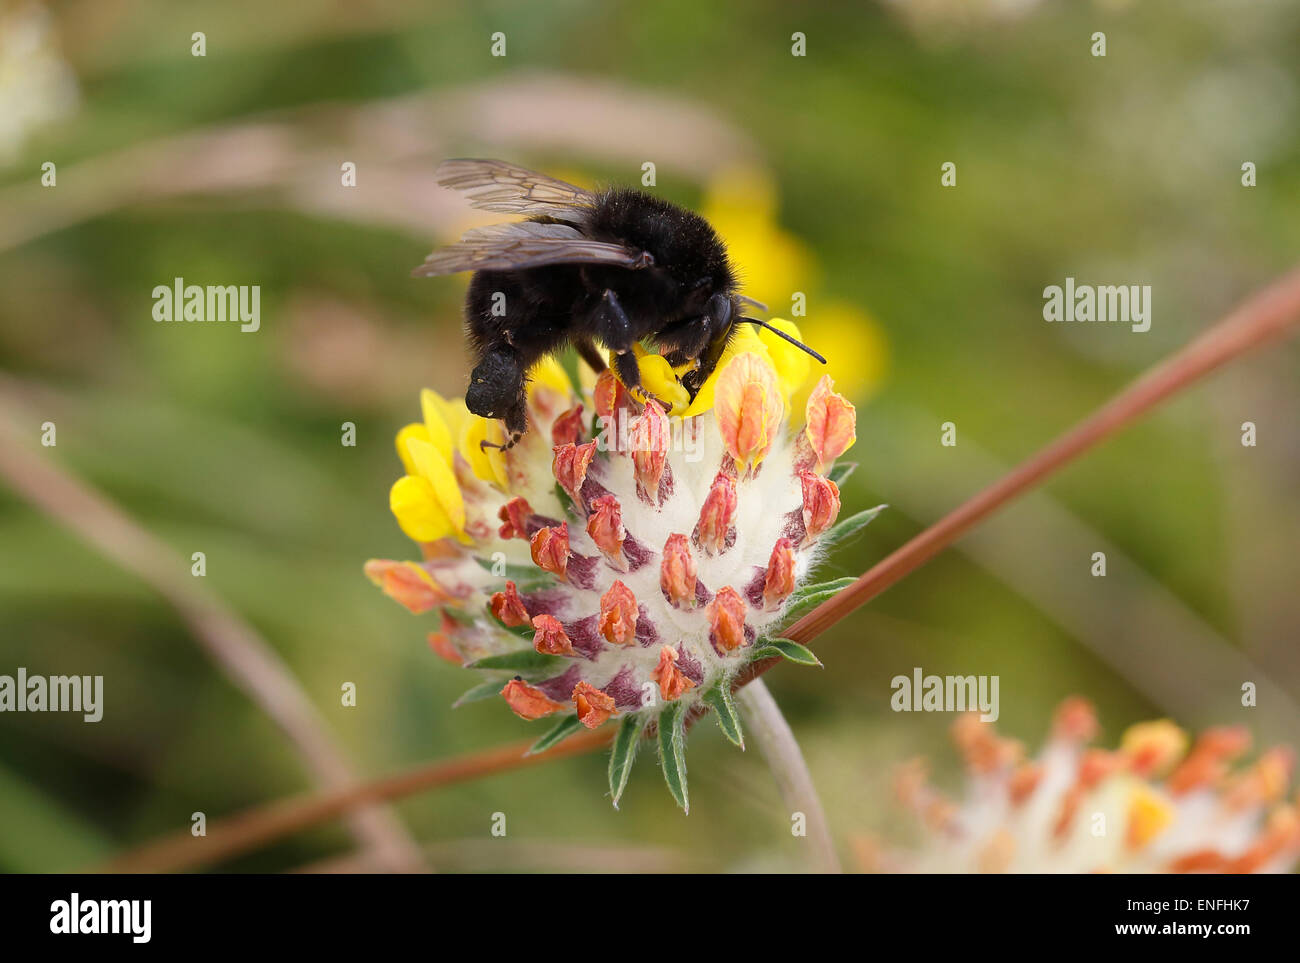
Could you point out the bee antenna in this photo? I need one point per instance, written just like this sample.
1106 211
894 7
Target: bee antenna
781 334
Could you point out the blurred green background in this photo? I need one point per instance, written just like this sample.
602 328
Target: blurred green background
225 169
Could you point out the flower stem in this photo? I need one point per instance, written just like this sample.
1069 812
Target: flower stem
767 727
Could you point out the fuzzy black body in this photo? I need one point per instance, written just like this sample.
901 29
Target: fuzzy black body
612 268
515 318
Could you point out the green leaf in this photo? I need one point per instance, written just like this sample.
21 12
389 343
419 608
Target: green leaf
849 526
525 660
485 690
719 697
841 472
561 731
672 752
803 603
787 649
623 754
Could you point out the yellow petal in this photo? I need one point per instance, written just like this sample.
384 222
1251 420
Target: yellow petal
418 511
549 373
433 468
432 406
659 378
1149 814
488 464
414 430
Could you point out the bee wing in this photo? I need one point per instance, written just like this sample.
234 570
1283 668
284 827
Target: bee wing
526 244
494 185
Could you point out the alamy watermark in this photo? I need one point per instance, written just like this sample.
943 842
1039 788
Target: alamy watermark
1123 303
191 302
945 693
56 693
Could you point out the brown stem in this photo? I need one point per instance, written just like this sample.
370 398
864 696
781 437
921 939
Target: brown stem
255 827
1265 317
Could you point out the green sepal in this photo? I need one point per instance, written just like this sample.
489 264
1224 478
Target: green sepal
719 698
561 731
525 660
484 690
841 472
786 649
672 752
623 755
849 526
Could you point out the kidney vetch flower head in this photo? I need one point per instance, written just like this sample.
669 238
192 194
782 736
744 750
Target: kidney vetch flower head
625 560
1160 803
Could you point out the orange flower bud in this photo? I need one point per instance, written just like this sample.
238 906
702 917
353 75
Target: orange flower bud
618 614
441 642
550 637
609 395
831 423
821 503
749 406
407 583
515 514
779 581
605 526
648 441
677 572
593 706
716 515
568 427
672 683
509 607
570 467
550 548
528 702
1075 720
726 615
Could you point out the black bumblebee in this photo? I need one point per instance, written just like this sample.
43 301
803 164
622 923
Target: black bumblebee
614 267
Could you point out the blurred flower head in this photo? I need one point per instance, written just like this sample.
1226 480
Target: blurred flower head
1149 806
620 563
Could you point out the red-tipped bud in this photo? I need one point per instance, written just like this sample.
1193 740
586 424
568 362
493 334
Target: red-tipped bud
1075 720
821 503
609 395
568 428
408 583
514 516
593 706
726 615
618 615
570 467
672 682
529 702
550 637
716 515
677 572
779 580
441 642
509 607
605 526
830 423
648 440
550 548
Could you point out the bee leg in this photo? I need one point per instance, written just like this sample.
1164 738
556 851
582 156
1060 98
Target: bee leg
588 353
496 390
